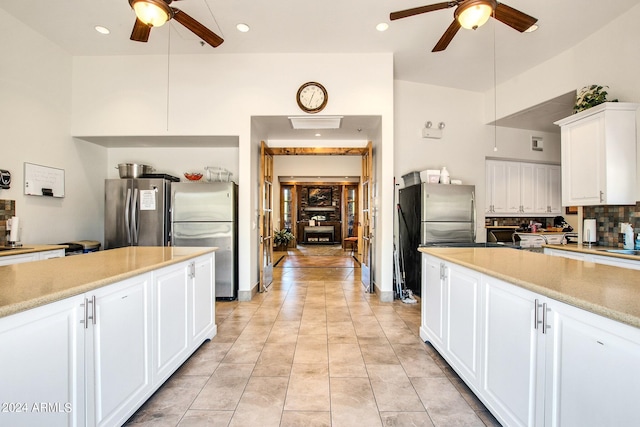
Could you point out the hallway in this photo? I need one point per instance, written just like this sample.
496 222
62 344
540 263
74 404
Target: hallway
315 350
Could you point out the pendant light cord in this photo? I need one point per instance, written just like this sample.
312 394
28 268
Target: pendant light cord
168 73
495 90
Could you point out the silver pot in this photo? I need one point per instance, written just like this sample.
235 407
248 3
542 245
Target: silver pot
133 170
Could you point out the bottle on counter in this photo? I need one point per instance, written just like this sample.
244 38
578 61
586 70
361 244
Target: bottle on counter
637 247
444 176
628 237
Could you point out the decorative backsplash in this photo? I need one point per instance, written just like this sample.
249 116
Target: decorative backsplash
608 219
7 210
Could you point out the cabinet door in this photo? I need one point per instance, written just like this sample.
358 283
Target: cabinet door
565 254
511 377
433 304
170 337
203 300
513 188
592 370
540 189
58 253
118 351
554 189
42 363
527 190
463 321
583 162
497 186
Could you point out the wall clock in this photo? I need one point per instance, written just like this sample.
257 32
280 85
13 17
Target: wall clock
312 97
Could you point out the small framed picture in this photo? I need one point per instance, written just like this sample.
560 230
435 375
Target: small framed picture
571 210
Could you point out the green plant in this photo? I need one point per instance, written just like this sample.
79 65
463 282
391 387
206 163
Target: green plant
282 237
590 96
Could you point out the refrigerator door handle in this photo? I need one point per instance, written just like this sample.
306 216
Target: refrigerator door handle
473 210
134 217
127 215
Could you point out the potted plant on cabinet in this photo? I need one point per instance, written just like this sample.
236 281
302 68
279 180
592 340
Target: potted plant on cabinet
281 239
590 96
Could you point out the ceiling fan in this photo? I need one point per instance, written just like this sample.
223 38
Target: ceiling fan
471 14
154 13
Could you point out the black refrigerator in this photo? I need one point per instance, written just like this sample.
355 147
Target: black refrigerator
432 214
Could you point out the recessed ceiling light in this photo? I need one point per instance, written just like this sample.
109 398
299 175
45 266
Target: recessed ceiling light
383 26
102 30
243 28
318 134
531 29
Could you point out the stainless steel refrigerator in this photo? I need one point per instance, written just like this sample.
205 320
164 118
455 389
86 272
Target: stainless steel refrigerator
433 214
206 214
136 212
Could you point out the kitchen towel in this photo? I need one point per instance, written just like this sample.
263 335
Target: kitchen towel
589 230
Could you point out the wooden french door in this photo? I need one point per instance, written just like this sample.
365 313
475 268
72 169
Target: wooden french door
366 230
266 216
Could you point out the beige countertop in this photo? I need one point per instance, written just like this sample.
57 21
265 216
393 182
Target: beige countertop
27 249
32 284
593 250
611 292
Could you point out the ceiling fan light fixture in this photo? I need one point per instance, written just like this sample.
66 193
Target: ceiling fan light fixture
153 13
474 13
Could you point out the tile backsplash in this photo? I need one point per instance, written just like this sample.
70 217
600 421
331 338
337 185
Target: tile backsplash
7 210
608 219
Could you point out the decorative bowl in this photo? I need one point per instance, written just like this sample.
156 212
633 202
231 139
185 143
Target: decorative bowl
193 176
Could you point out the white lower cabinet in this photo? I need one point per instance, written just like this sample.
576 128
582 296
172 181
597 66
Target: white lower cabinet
93 359
118 348
450 314
598 259
511 383
42 366
539 362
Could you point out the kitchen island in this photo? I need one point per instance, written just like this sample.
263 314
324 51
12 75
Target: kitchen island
541 340
87 339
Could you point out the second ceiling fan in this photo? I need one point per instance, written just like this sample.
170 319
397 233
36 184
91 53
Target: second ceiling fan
471 14
154 13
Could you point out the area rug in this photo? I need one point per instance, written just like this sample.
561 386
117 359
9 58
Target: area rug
317 261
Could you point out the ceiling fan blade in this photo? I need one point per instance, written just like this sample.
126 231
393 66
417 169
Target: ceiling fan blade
447 36
197 28
140 32
422 9
514 18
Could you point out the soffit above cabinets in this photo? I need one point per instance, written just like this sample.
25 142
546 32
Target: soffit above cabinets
541 117
163 141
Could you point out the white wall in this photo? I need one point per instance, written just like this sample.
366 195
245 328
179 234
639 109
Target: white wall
218 95
35 105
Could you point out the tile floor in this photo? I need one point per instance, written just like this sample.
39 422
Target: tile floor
315 350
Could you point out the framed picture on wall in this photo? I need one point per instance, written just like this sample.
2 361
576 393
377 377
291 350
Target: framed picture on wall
571 210
319 196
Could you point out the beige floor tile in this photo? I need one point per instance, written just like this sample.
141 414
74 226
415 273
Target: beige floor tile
402 419
244 352
261 403
311 352
206 359
353 403
443 402
379 354
197 418
275 360
416 362
306 419
345 360
225 387
393 389
308 388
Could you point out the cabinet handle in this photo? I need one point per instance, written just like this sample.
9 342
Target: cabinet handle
535 314
601 197
85 319
544 318
93 311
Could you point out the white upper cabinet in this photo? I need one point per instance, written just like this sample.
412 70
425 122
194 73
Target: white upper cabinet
521 189
599 155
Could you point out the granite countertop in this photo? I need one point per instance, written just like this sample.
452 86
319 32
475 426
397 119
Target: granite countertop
593 250
27 249
608 291
32 284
